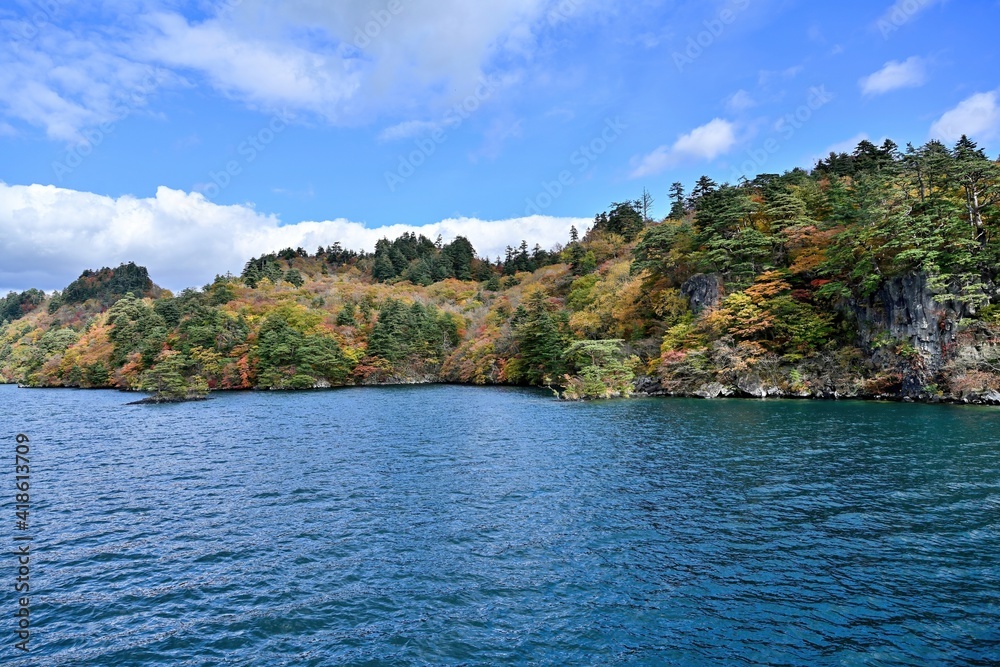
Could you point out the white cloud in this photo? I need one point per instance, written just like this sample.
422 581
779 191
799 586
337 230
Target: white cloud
977 116
261 72
911 73
705 143
408 130
48 235
350 59
345 62
739 101
765 77
65 84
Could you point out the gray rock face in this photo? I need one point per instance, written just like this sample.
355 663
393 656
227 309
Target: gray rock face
908 309
754 387
646 385
713 390
992 397
703 291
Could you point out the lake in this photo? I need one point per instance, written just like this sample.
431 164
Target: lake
473 526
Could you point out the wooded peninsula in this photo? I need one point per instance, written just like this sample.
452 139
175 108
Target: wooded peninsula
872 275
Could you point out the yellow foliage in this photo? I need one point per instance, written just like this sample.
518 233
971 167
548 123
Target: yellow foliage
615 305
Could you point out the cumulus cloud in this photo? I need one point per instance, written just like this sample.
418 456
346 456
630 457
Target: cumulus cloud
977 116
895 75
48 235
704 143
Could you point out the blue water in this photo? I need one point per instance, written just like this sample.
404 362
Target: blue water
463 526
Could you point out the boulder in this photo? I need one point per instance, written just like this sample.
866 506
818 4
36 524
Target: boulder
703 292
713 390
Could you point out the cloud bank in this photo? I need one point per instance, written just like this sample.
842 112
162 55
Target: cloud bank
49 235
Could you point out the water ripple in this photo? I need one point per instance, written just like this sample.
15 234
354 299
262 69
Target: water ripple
460 526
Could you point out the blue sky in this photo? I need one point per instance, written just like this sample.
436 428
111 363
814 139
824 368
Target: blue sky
191 135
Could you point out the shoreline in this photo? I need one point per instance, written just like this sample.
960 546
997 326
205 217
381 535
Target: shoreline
987 399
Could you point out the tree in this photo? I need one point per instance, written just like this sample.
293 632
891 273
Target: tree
730 241
109 285
624 219
294 277
291 354
15 305
980 179
266 267
601 371
457 257
174 378
410 334
677 208
383 269
656 251
346 316
646 204
704 186
135 327
539 341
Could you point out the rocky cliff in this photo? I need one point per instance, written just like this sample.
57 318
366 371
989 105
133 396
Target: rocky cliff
914 341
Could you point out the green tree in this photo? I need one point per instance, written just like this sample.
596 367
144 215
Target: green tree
291 357
600 368
294 277
677 207
347 316
539 341
174 377
135 327
624 219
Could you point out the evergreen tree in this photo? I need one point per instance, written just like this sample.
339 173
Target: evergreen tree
294 277
346 316
677 208
539 341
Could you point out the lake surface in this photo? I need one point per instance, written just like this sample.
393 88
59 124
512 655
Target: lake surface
464 526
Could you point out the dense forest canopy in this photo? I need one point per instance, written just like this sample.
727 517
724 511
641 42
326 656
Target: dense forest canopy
804 283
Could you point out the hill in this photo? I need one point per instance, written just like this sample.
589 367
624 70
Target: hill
872 275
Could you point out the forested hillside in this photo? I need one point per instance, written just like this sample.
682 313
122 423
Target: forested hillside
873 275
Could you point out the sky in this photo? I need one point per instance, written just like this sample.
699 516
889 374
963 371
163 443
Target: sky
190 136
